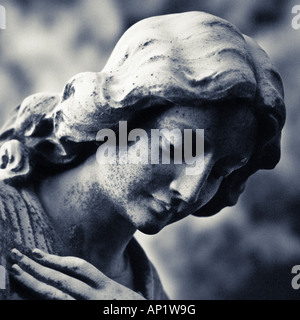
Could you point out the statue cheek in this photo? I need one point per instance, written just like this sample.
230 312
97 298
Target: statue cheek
118 181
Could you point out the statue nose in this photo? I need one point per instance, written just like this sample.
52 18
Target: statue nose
188 187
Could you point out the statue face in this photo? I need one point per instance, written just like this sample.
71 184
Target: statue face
151 196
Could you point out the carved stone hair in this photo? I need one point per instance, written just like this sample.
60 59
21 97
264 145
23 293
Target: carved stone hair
190 58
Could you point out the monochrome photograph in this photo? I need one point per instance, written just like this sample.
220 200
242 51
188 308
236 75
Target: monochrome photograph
149 151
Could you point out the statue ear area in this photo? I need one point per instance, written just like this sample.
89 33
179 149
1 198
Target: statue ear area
14 160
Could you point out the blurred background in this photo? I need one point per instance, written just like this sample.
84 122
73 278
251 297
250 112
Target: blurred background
244 252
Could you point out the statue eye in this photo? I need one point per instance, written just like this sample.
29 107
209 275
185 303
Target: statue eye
225 166
220 170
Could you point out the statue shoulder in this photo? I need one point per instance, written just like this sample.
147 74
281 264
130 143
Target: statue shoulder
9 197
25 223
13 210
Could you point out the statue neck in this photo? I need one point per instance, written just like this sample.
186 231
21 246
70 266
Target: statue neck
86 221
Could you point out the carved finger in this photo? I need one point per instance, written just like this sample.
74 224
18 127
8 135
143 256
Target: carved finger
54 278
42 289
77 267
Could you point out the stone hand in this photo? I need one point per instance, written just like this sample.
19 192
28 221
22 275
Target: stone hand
66 278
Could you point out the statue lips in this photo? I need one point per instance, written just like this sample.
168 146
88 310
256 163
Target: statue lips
162 208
